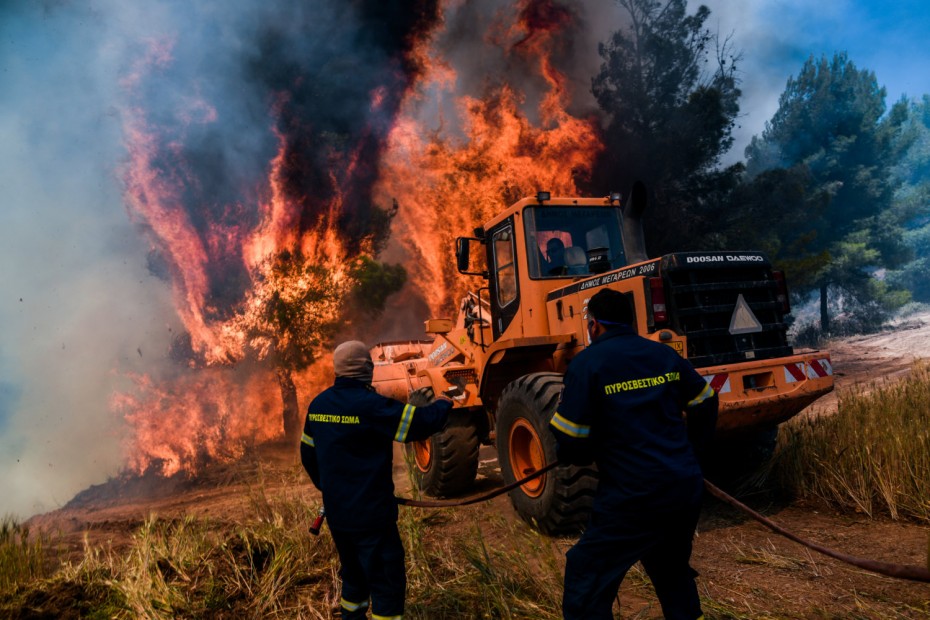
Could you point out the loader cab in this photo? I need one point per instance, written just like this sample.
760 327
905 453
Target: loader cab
537 245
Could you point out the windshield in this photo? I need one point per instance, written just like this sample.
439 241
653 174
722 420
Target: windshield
572 241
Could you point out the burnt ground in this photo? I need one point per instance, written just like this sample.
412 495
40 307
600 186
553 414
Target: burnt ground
745 570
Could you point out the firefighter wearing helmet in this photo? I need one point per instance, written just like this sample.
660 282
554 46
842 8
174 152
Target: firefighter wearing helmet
347 449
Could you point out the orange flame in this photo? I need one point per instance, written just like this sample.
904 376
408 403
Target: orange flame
214 410
196 417
445 186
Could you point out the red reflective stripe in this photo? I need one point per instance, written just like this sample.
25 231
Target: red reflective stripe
796 372
718 381
818 368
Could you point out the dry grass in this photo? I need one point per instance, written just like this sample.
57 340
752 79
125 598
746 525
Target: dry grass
871 457
23 558
466 577
270 567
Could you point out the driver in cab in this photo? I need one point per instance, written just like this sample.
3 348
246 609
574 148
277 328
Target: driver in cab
555 257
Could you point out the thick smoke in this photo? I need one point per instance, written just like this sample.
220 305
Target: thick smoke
359 54
485 42
219 88
78 302
241 82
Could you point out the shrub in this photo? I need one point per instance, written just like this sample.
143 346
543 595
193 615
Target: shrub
872 456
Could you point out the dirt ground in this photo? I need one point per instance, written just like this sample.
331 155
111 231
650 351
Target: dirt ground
745 569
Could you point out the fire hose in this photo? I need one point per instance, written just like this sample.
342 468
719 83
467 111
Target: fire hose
474 499
898 571
424 503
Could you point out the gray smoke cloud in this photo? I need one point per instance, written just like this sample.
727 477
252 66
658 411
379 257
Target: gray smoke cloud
77 302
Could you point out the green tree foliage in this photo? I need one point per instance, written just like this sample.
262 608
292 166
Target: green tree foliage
670 106
912 201
757 219
833 130
301 305
374 283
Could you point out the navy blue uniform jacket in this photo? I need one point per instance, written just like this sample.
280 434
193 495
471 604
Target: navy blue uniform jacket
622 408
347 448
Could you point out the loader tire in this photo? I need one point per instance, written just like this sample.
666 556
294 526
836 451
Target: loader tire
559 502
743 463
445 464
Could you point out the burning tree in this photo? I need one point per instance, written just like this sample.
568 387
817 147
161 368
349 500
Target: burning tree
301 305
297 305
253 186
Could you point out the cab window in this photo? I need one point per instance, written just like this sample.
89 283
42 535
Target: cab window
562 240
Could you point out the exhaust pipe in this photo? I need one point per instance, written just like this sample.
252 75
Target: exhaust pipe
634 242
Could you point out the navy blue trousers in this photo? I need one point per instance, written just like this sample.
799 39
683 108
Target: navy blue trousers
659 534
372 566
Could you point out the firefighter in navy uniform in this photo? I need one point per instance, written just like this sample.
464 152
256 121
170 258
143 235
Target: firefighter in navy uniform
621 408
347 448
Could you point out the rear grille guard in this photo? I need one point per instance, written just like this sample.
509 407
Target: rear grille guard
701 298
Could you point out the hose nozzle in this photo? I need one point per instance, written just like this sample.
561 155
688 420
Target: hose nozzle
318 523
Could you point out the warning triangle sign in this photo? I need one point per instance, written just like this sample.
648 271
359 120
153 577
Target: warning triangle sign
743 320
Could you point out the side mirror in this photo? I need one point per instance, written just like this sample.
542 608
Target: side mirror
463 256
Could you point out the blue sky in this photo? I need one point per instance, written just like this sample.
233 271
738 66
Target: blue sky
777 36
78 305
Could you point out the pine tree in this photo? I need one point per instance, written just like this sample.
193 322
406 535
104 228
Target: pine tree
832 125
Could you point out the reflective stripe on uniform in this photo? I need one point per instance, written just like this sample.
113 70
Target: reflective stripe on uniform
307 439
350 606
568 427
706 393
404 427
377 617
